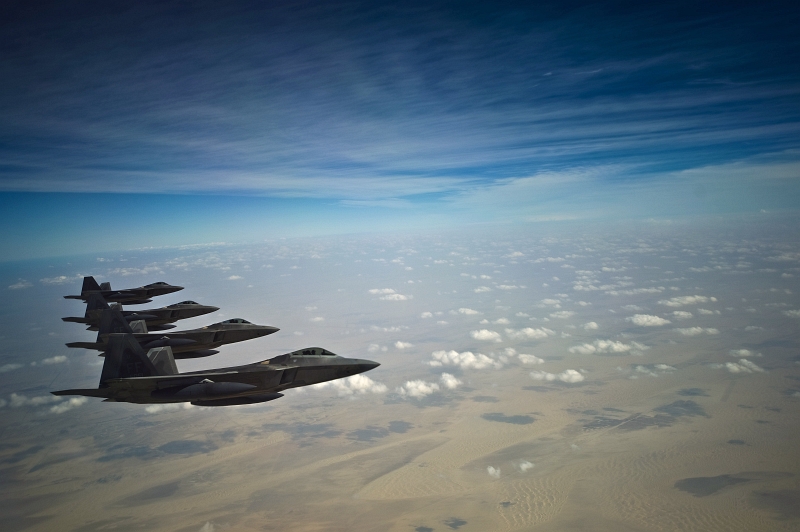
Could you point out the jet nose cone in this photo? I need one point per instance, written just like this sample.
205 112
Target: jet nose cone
269 329
212 308
366 365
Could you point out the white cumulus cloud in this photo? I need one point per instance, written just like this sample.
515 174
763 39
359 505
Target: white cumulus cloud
494 473
5 368
562 314
569 376
74 402
395 297
465 360
449 381
682 314
418 389
607 346
654 371
743 366
61 279
60 359
530 360
403 345
355 385
377 291
647 320
17 400
524 466
741 353
486 335
591 326
468 311
529 333
426 315
694 331
482 289
682 301
234 277
19 285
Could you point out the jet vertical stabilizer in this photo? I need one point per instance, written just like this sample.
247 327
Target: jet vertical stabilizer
113 322
124 358
138 326
90 285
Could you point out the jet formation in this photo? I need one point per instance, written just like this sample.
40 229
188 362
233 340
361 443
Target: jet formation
140 367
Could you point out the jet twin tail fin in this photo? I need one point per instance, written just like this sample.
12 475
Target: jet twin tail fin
90 285
94 303
138 326
125 358
111 322
163 360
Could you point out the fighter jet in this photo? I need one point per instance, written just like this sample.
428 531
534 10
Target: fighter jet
157 319
194 343
131 296
129 375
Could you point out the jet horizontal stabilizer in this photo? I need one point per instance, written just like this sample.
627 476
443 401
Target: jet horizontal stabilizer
86 345
89 392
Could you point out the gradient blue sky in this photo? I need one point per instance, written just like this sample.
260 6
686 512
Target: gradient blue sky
129 124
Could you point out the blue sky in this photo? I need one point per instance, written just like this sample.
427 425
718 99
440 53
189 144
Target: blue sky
131 125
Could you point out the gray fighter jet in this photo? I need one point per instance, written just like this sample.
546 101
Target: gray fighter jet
194 343
129 375
131 296
156 319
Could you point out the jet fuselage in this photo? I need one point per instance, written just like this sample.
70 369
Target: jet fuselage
193 343
155 318
251 383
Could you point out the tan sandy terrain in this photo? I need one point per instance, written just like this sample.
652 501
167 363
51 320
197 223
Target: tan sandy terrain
610 454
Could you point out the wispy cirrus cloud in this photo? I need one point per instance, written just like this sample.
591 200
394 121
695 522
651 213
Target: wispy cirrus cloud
317 102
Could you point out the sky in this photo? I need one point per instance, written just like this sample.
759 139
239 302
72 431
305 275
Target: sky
129 125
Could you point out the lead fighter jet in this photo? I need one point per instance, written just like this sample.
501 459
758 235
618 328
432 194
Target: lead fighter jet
131 296
156 319
193 343
129 375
